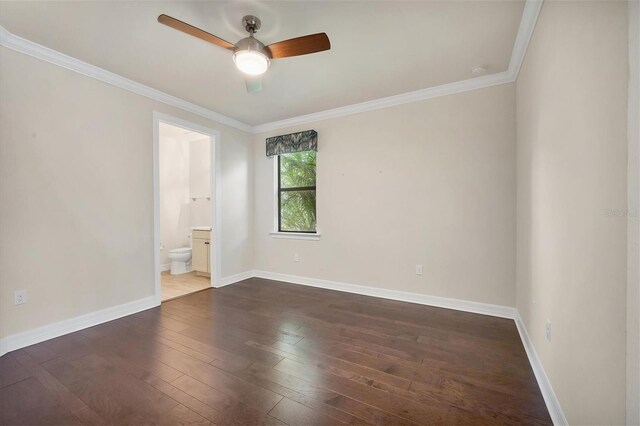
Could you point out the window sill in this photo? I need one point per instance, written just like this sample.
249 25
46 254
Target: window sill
295 236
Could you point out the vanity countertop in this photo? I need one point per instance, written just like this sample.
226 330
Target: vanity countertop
201 228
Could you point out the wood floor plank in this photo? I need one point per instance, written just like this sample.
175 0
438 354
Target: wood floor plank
115 395
181 415
11 371
241 390
184 398
28 403
232 410
255 375
337 365
405 408
222 358
273 353
429 373
131 354
293 413
63 395
310 394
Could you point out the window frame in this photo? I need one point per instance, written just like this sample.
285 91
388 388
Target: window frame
280 190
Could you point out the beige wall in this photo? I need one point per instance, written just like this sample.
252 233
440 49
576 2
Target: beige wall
76 197
429 183
633 220
572 203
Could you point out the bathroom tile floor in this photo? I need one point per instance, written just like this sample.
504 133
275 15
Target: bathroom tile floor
179 285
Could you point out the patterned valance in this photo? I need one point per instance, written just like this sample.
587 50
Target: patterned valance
293 142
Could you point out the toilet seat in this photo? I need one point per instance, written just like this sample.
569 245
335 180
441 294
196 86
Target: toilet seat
181 250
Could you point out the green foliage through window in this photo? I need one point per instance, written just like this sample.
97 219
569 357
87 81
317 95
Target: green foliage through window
297 192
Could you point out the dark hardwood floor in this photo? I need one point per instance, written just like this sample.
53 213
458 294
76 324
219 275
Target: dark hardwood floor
266 352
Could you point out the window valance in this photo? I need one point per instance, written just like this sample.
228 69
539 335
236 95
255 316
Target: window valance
293 142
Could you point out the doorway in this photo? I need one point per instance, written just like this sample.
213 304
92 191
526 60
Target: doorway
187 205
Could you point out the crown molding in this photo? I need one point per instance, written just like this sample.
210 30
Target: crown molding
27 47
525 31
390 101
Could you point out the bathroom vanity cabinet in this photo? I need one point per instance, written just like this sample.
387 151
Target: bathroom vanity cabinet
201 252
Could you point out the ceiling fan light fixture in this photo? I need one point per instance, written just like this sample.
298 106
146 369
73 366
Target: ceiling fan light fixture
250 55
251 62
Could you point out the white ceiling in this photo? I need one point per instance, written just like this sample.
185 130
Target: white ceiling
379 48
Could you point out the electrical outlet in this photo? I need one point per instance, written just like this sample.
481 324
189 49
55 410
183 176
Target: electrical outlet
296 257
548 330
418 269
20 297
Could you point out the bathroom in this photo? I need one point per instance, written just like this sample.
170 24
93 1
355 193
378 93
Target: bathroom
186 206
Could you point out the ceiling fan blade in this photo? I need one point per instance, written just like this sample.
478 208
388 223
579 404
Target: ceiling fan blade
254 84
300 46
194 31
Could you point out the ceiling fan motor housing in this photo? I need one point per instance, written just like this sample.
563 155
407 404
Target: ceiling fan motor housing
251 23
252 44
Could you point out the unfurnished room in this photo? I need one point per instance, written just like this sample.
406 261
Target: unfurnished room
368 212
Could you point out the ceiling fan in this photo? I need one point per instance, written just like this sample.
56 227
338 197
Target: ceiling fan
250 55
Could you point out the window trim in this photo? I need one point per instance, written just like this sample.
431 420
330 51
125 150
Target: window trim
279 232
296 236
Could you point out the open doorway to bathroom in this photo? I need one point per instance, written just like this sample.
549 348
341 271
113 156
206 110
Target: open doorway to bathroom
185 206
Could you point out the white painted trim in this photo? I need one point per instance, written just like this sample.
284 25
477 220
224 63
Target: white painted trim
31 337
165 267
40 334
215 183
17 341
295 236
276 203
527 25
422 299
22 45
390 101
551 401
156 241
550 398
234 278
525 32
276 207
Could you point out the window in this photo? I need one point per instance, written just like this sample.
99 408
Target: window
297 192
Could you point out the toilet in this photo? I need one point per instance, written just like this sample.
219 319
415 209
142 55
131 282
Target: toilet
180 260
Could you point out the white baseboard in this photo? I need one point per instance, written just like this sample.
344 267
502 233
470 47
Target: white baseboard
165 267
40 334
21 340
553 405
233 279
550 399
404 296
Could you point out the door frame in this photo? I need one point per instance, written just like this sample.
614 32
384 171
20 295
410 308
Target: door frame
215 255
